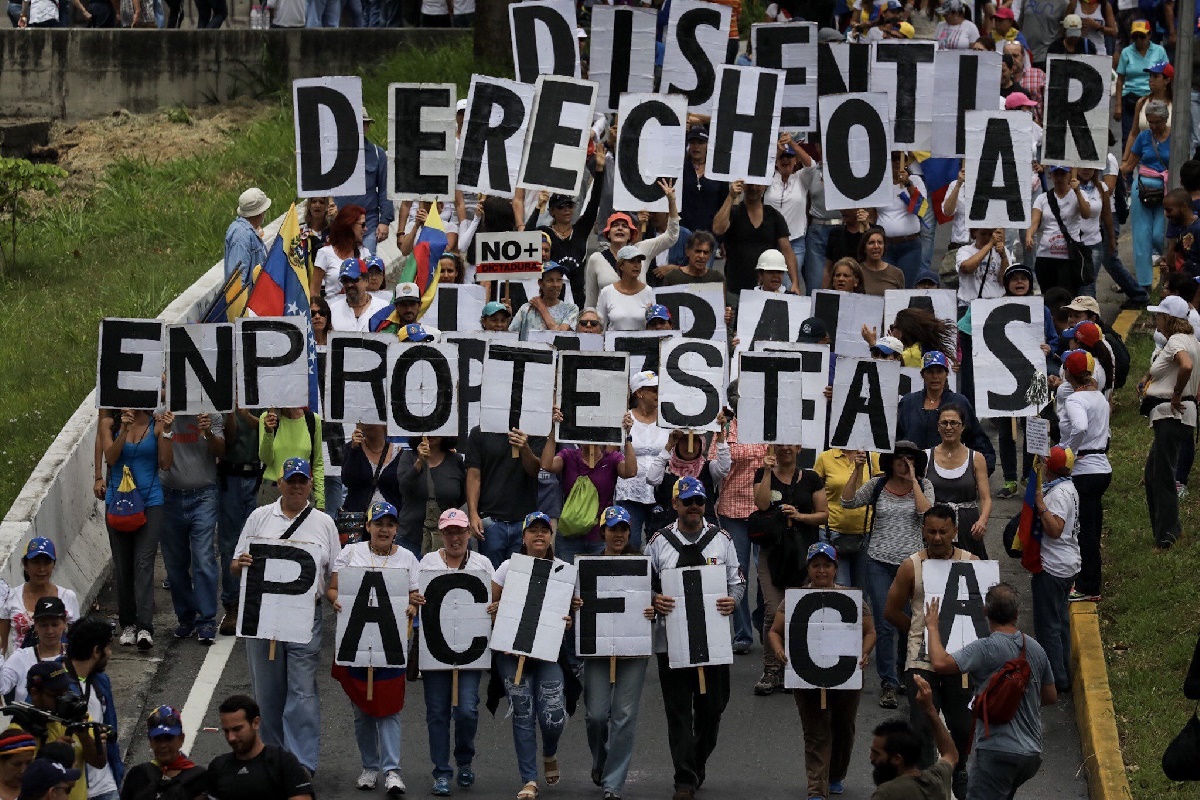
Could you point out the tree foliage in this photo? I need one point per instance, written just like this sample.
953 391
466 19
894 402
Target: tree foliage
19 180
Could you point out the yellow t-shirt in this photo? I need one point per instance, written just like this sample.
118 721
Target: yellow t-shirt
54 732
836 468
913 356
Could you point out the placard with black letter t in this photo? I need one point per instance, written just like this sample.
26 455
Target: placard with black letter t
615 591
279 590
823 638
960 587
537 596
372 624
1008 336
455 625
520 385
697 633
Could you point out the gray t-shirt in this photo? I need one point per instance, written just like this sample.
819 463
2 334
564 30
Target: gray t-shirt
194 467
931 784
981 658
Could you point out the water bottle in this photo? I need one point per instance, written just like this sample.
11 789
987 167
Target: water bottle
256 20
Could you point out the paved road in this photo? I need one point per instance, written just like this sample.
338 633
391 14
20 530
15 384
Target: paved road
760 753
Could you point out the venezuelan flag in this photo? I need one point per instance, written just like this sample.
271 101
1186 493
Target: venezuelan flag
1029 529
387 695
938 173
231 301
421 266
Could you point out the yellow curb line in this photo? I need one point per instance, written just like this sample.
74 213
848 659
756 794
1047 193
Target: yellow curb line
1094 715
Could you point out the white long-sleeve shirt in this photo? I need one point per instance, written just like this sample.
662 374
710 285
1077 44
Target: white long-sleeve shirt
718 468
598 273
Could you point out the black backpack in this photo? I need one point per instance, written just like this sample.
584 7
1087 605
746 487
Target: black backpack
1121 359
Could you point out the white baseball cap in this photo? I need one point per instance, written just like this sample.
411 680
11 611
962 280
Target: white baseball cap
1171 305
640 380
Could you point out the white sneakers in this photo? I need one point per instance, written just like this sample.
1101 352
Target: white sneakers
144 640
367 779
392 784
128 636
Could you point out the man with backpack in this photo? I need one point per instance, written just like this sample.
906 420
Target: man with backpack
1015 680
693 717
1086 309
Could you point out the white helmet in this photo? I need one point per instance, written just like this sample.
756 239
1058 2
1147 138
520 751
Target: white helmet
772 261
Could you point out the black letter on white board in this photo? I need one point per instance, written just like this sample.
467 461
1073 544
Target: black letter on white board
689 47
411 140
525 22
837 151
798 652
829 73
519 356
575 398
629 147
770 368
996 155
186 356
906 59
772 40
968 84
590 571
376 377
252 362
546 130
1070 115
114 360
953 607
535 597
257 584
1010 356
347 125
865 372
693 601
482 137
435 419
712 400
757 124
431 618
362 614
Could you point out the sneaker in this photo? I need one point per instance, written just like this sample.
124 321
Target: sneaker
770 682
741 648
166 584
441 787
958 784
392 783
887 697
229 621
206 633
1135 304
184 630
466 777
684 793
1008 490
1181 489
837 787
611 795
367 779
145 640
128 636
597 778
1077 596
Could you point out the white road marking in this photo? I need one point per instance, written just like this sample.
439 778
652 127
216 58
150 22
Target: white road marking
201 695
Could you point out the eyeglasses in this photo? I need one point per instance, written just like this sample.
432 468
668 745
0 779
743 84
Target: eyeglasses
589 323
692 501
950 423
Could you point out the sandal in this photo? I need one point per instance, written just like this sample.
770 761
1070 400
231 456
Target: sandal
529 792
550 767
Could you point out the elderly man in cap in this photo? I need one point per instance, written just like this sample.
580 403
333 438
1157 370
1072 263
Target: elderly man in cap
244 248
380 210
353 309
283 675
48 780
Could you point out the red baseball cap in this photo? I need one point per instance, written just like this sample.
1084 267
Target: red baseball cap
1004 12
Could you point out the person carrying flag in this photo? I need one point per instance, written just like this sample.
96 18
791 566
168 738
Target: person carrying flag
901 221
404 310
244 248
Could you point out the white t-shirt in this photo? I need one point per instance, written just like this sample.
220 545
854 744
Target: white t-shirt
1060 557
894 217
648 441
502 571
14 610
1112 169
342 318
269 522
623 312
475 562
359 555
987 273
1089 229
1164 373
1052 243
42 10
1083 425
99 781
16 670
791 200
956 37
328 260
959 230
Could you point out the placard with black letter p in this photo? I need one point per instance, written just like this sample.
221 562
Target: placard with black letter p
616 593
697 633
1008 337
372 625
537 596
329 136
272 362
591 394
279 590
823 638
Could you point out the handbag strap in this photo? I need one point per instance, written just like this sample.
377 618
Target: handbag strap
297 522
987 270
1062 226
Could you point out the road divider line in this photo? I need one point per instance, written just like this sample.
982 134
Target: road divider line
205 685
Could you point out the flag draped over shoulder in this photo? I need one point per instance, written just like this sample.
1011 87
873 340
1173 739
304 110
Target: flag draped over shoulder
421 268
1029 529
938 173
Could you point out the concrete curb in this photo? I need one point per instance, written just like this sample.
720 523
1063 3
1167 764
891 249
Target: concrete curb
1094 715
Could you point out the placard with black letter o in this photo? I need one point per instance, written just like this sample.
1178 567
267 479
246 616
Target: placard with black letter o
423 389
856 144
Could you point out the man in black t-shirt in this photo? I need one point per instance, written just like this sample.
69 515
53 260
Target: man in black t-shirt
254 770
501 488
750 227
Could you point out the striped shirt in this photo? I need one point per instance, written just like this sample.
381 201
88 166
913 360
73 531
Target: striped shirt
896 534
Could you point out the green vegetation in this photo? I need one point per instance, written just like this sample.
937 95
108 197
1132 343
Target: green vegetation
1151 607
131 244
19 179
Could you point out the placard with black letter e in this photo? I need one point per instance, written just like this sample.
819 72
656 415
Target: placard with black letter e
129 363
697 633
373 623
616 593
823 637
960 587
421 141
279 590
591 393
536 599
455 625
1008 335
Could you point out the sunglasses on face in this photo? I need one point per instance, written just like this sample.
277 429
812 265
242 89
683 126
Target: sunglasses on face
589 323
693 501
950 423
316 311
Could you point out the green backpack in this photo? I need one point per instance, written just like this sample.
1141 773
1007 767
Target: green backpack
581 510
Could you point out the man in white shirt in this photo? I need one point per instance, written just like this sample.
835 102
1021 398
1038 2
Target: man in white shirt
901 222
352 310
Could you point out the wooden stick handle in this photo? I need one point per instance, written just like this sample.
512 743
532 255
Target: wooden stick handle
271 651
370 683
612 669
520 669
822 699
454 688
703 683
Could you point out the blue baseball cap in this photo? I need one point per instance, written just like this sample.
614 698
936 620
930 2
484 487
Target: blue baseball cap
494 307
164 721
821 549
415 333
536 516
42 775
554 266
935 358
352 269
295 466
688 487
375 262
787 150
930 276
1060 168
382 509
657 311
615 515
40 546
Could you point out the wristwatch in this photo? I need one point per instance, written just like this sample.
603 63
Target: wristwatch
168 434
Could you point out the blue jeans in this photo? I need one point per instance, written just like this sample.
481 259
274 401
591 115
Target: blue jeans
639 513
353 12
501 539
438 713
286 691
743 631
236 501
929 225
1116 270
1052 623
372 11
568 547
537 701
879 577
906 256
798 251
14 13
1097 254
324 14
816 242
612 713
189 553
1149 226
335 494
378 740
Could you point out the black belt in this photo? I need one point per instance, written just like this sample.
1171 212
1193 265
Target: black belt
1094 452
900 239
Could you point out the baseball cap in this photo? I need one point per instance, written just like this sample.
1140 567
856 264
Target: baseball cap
407 291
40 546
928 276
252 202
47 607
554 266
688 487
950 6
352 268
657 311
1087 333
493 307
1084 303
771 260
48 676
42 775
380 509
630 253
1079 362
907 30
615 515
1016 270
561 201
1139 26
1072 25
375 262
787 150
415 332
821 549
889 345
536 516
619 216
894 5
812 331
935 358
1061 460
1171 305
460 106
1162 68
1018 100
1060 168
830 35
295 466
164 721
640 380
453 518
698 134
1004 12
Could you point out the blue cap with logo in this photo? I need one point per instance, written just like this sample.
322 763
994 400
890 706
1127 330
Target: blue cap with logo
414 332
382 509
164 721
295 466
554 266
493 307
821 549
375 262
42 775
689 487
657 311
935 358
352 269
536 516
40 546
615 515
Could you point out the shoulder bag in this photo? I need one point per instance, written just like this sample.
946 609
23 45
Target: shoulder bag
1077 253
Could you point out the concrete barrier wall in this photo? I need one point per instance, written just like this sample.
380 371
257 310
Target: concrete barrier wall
78 73
57 500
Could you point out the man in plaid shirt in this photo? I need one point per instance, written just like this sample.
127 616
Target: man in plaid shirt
1029 76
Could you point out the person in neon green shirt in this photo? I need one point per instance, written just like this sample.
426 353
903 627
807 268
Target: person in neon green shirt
290 433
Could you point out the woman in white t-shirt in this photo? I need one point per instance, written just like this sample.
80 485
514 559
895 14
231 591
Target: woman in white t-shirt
16 614
376 720
1053 264
1095 191
981 266
622 305
955 31
538 700
345 241
635 494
